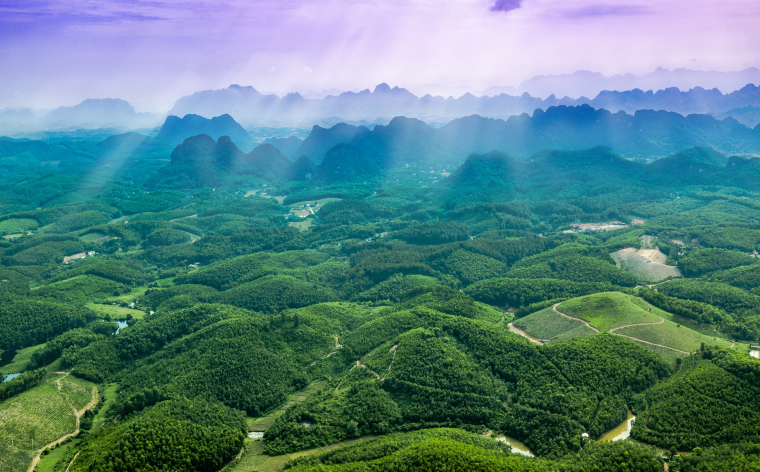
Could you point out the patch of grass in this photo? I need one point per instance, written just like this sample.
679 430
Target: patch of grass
547 324
115 312
671 335
608 310
110 394
20 360
303 224
17 225
666 355
135 294
49 461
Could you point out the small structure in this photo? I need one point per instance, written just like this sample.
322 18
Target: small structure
754 347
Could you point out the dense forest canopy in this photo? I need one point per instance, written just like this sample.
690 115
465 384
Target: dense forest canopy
393 297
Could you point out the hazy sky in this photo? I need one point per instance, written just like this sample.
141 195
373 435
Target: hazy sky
151 52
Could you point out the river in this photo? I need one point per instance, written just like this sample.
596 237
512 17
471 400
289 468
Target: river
517 446
622 431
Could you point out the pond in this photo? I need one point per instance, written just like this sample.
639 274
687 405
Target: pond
121 324
517 446
7 377
622 431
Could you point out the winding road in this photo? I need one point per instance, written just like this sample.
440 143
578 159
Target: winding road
535 340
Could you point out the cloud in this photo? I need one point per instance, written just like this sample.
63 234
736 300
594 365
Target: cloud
506 5
600 10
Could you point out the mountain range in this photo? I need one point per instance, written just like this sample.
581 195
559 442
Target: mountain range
645 134
623 144
253 108
90 114
589 84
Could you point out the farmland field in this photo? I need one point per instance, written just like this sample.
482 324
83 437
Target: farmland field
31 420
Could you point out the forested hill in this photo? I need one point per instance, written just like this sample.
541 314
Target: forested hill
646 134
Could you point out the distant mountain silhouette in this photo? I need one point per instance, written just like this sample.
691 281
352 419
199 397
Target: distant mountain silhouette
647 134
251 107
288 146
589 84
321 140
90 114
175 130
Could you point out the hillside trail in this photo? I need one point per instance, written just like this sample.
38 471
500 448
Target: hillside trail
522 333
77 414
612 331
359 363
574 318
338 345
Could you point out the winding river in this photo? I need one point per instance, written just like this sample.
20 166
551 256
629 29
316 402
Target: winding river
517 446
622 431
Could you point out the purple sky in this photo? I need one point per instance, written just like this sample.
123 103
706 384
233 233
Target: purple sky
151 52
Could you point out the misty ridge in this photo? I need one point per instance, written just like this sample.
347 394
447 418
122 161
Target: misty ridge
677 91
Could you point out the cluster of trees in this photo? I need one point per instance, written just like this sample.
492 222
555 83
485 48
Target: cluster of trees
25 323
22 383
516 292
439 448
179 434
702 261
713 400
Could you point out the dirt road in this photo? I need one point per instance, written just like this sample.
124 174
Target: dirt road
77 413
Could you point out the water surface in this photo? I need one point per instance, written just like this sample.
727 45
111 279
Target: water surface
517 446
622 431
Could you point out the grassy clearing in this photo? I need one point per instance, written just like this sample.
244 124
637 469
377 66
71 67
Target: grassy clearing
109 393
20 360
635 263
605 311
547 324
132 295
31 420
669 334
94 237
17 225
115 312
49 461
303 224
